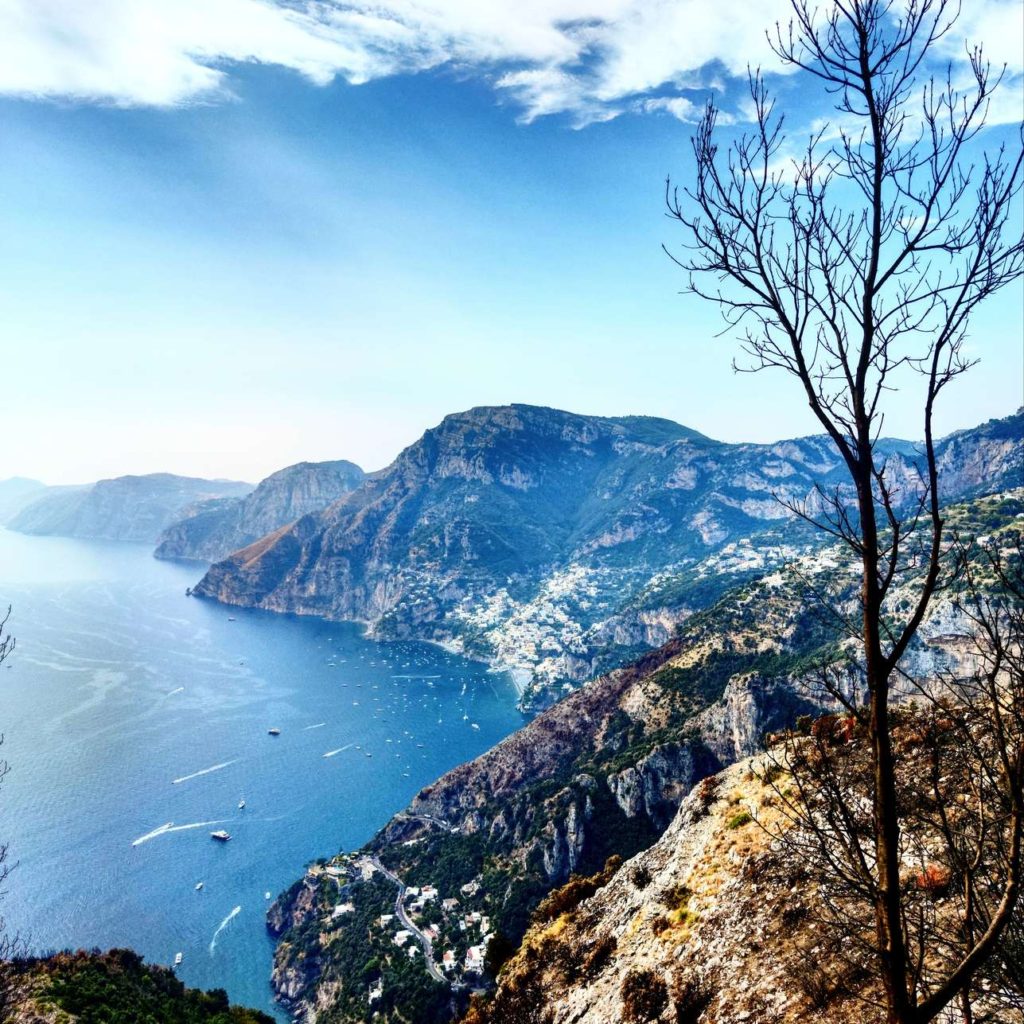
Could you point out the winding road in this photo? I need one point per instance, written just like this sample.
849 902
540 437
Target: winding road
424 940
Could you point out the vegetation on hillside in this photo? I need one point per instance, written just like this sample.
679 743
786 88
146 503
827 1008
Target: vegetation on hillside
116 987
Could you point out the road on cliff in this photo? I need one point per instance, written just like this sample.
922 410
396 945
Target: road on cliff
424 940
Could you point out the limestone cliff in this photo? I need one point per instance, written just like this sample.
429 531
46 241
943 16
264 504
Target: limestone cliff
210 530
601 773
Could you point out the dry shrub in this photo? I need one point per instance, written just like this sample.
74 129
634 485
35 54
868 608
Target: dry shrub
644 996
690 998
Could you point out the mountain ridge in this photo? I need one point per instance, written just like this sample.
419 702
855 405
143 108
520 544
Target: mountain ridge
526 536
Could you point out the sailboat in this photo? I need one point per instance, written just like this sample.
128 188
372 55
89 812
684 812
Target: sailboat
241 803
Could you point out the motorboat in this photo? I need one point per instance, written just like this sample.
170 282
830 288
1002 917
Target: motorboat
220 835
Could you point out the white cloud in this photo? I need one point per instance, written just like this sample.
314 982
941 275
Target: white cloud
589 59
583 57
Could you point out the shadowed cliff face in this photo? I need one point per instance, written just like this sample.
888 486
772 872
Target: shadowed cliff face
562 544
126 508
211 530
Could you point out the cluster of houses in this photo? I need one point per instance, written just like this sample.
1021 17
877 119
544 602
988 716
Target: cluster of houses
472 925
458 935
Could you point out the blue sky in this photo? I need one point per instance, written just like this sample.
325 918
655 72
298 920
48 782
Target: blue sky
229 243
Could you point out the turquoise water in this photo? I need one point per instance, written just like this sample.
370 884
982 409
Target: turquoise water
135 720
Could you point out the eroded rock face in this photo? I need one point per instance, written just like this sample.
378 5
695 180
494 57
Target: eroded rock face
211 530
657 783
604 772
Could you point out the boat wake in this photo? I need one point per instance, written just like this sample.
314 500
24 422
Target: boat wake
171 827
205 771
331 753
319 725
173 692
222 926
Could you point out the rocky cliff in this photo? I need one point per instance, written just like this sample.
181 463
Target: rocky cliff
561 545
126 508
602 773
210 530
715 923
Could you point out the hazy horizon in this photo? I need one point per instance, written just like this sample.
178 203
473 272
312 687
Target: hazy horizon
342 456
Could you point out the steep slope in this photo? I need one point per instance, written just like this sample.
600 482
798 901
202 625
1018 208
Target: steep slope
126 508
561 545
107 988
210 530
602 773
715 924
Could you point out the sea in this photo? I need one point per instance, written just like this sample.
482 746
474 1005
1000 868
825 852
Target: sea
136 721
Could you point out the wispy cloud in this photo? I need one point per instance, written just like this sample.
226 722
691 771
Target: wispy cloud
588 59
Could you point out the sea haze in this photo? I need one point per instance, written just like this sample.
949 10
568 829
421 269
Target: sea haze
135 719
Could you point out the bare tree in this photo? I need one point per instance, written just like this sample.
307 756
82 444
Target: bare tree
958 762
856 267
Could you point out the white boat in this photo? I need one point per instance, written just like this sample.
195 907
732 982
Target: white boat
177 959
266 895
241 803
199 886
274 731
220 835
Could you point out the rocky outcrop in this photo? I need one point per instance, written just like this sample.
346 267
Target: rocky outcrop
604 772
126 508
546 540
211 530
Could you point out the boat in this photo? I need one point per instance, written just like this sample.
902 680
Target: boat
266 895
177 959
199 886
231 618
274 732
241 803
220 835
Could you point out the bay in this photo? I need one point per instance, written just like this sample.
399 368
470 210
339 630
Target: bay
135 720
